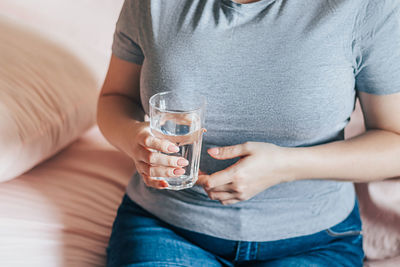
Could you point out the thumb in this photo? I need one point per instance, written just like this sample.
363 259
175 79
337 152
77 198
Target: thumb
229 152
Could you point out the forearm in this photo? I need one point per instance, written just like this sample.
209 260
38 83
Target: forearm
374 155
115 115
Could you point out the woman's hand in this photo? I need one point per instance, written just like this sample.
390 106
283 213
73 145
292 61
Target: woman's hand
261 166
144 150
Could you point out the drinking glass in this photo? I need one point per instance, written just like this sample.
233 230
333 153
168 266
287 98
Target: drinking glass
179 118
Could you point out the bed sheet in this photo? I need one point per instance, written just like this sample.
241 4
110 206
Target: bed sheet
60 213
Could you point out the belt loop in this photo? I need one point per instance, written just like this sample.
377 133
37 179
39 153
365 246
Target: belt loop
237 250
254 251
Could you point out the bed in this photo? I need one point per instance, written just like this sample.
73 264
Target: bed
60 213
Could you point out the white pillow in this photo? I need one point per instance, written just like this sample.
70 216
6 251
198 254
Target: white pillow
47 99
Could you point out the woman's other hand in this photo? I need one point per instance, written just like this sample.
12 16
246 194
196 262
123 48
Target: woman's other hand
261 166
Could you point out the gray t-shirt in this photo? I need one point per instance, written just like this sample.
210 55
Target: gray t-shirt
279 71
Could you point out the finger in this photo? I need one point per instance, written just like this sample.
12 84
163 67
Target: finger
220 195
158 171
202 179
232 190
159 159
223 177
150 182
149 141
230 152
142 167
161 171
230 201
222 188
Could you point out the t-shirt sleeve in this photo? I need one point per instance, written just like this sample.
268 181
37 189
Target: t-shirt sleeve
126 36
378 47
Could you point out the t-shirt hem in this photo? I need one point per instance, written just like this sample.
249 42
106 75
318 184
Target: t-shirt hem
381 92
328 219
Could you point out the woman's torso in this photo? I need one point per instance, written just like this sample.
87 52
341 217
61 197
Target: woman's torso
272 71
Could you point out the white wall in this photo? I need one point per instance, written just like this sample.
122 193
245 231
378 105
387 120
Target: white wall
84 26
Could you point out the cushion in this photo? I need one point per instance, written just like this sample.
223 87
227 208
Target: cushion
47 99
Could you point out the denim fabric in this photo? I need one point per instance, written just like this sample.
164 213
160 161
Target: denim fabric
140 239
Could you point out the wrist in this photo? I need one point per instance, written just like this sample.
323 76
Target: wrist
298 163
127 134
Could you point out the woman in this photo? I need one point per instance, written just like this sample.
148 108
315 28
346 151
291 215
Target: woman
280 78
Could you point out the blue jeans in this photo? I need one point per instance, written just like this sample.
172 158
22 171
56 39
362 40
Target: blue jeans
140 239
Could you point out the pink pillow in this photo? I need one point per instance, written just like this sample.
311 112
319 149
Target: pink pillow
47 99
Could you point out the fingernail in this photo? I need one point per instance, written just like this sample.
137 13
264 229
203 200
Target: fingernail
183 162
214 151
173 148
179 171
163 184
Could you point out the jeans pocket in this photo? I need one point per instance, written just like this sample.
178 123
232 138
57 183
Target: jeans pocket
334 233
351 226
